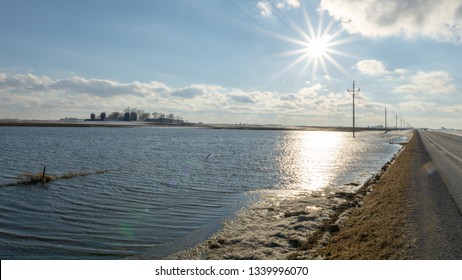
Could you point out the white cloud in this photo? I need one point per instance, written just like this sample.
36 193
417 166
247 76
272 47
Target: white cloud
372 67
190 92
289 4
310 92
92 86
435 82
293 3
265 9
401 71
241 98
456 108
440 20
417 106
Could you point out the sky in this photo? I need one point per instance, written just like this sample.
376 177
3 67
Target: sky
287 62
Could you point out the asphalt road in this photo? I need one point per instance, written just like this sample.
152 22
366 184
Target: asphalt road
445 150
435 218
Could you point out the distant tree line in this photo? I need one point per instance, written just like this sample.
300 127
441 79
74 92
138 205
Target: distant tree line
70 119
146 116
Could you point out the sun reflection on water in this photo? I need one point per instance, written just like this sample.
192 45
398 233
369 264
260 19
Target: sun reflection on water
311 161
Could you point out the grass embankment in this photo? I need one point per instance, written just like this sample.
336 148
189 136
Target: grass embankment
377 229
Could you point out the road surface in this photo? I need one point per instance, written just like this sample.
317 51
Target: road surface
435 218
445 150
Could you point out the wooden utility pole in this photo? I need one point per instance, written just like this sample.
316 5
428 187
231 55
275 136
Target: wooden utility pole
386 130
353 92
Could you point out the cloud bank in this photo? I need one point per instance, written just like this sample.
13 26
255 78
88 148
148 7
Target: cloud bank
440 20
31 96
435 82
28 96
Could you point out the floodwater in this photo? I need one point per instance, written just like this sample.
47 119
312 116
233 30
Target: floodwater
165 188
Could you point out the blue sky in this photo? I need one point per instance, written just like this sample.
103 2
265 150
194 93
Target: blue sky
234 61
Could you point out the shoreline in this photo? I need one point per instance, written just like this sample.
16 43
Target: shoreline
298 225
59 123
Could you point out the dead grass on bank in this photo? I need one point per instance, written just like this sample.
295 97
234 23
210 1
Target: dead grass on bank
29 178
376 230
37 178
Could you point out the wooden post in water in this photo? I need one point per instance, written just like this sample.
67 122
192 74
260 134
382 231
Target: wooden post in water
43 174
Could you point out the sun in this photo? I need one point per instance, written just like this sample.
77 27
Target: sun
316 48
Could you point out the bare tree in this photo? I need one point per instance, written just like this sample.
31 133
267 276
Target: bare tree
144 116
115 115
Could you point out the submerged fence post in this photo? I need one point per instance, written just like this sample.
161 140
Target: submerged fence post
43 174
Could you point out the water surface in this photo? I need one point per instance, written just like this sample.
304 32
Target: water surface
166 187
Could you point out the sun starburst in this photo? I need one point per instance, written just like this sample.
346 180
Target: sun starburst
316 48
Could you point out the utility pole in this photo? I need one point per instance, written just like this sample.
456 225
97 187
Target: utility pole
396 128
386 120
353 93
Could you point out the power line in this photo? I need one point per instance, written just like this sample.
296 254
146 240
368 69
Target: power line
285 20
257 23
